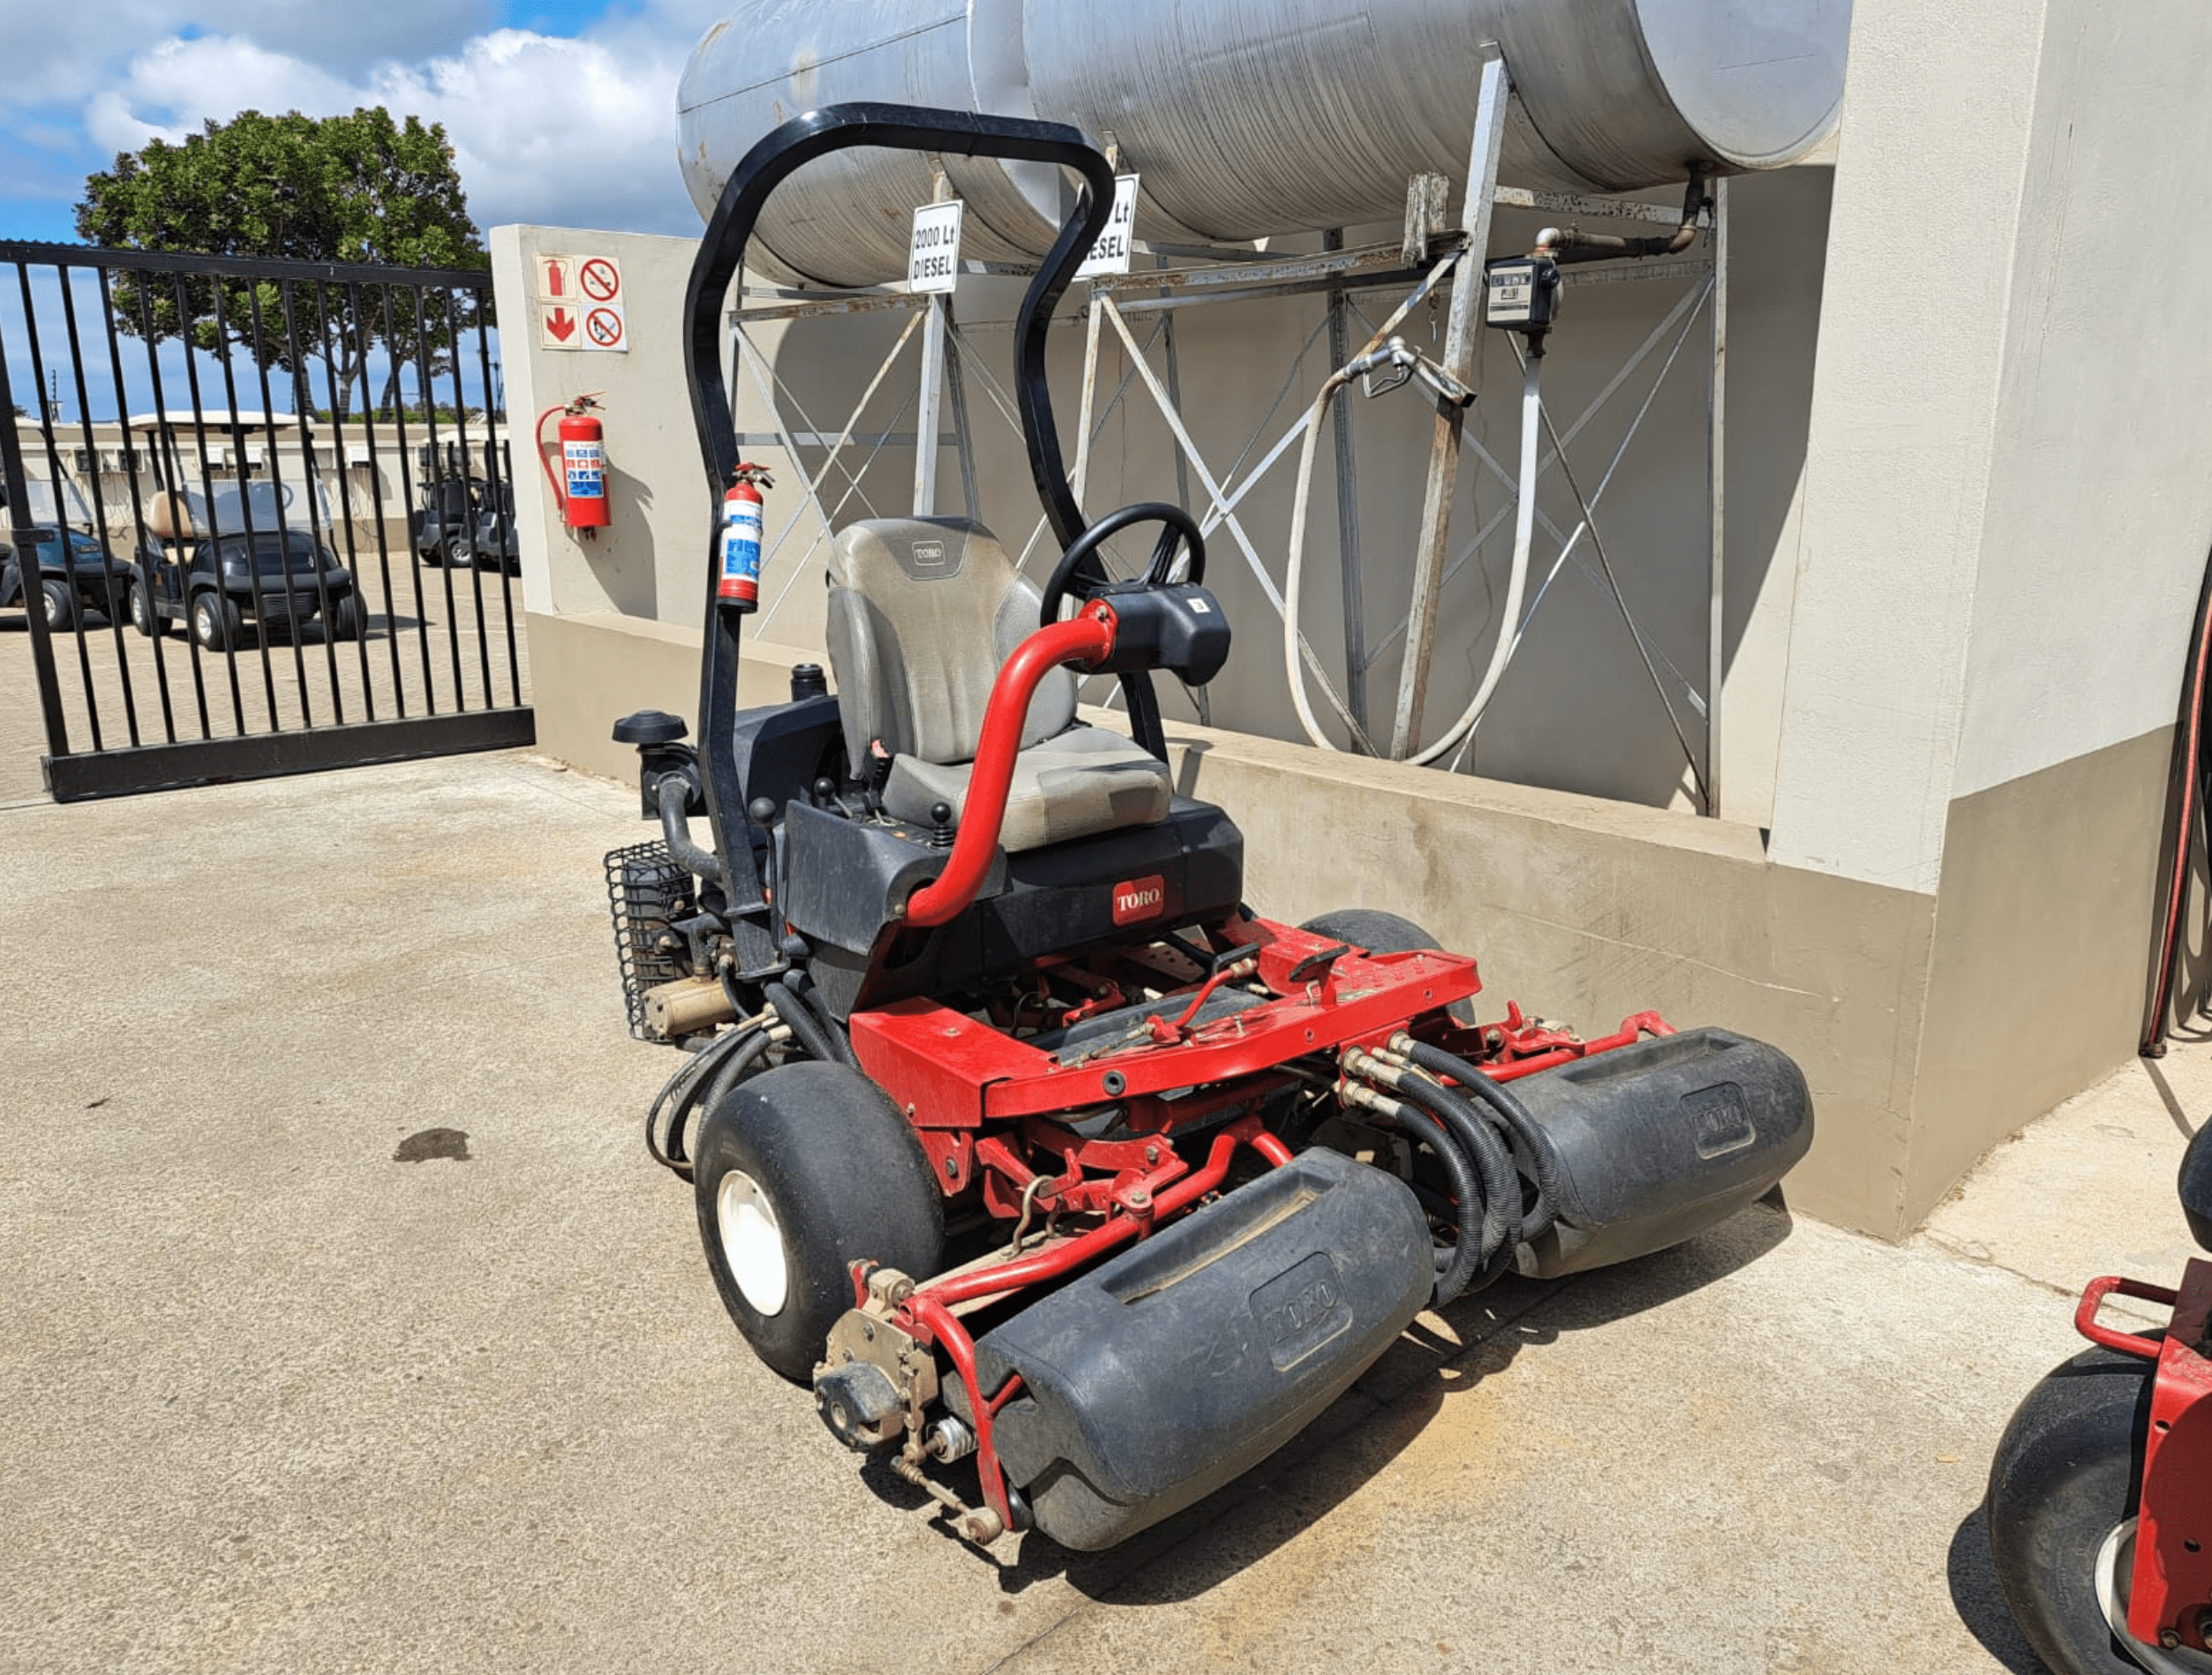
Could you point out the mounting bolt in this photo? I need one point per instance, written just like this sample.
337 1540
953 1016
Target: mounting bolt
1152 1154
951 1168
2169 1639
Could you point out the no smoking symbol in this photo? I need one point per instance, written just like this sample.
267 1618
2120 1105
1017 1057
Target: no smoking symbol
603 327
600 279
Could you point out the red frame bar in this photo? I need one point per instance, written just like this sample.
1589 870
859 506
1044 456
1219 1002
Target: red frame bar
2170 1599
1163 1192
928 1312
1087 641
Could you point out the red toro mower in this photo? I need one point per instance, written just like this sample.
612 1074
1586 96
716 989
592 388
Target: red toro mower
1065 1180
2100 1502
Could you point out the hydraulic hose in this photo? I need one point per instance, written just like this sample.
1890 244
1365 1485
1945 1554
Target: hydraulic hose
1516 582
822 1039
1501 1175
675 830
1494 1158
704 1071
1456 1267
1543 1154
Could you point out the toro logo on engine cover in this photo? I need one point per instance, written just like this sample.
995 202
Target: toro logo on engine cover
1139 899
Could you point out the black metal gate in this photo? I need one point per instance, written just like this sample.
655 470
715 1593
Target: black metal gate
261 513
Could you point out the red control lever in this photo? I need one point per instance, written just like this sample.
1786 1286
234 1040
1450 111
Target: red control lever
1084 641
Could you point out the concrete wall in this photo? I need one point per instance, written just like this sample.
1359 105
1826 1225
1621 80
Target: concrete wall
1966 526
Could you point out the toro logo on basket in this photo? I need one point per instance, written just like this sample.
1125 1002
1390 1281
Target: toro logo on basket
1139 899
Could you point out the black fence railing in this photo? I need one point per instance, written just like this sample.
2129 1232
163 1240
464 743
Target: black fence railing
260 515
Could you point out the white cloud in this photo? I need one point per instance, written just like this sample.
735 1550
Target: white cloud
576 131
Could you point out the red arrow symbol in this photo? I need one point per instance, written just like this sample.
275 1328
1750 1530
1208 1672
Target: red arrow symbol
560 324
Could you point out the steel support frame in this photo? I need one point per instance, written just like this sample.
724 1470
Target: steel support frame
1494 89
1336 273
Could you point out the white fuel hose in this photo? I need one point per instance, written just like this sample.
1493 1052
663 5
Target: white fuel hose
1516 584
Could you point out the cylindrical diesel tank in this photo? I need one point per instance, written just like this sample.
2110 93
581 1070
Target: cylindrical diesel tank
1250 118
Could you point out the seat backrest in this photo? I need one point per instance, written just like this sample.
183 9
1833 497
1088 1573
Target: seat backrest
170 517
923 611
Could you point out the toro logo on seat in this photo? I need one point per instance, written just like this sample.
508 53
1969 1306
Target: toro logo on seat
1139 899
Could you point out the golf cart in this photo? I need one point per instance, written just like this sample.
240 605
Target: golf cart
74 573
1072 1187
220 550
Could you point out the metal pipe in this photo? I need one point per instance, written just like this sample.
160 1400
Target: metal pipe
1570 243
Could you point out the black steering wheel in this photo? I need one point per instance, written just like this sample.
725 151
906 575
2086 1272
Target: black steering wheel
1180 530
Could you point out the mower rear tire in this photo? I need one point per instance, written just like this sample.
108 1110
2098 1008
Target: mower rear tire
2066 1477
1381 933
800 1172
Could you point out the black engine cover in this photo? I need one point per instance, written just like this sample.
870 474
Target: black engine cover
1661 1140
1165 1372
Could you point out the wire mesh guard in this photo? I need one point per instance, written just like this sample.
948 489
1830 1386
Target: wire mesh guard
647 891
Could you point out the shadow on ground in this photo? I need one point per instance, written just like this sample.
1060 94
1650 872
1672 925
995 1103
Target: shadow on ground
1979 1600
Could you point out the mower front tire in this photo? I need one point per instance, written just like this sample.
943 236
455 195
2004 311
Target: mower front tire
1380 932
2065 1478
800 1172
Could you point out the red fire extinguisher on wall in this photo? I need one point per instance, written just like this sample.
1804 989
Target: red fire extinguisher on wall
738 584
580 490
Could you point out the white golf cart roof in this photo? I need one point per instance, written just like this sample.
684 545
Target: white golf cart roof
215 419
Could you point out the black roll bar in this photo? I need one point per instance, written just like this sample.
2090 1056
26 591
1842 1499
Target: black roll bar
721 251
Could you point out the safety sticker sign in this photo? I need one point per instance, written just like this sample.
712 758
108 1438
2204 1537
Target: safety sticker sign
580 304
601 278
933 252
1111 252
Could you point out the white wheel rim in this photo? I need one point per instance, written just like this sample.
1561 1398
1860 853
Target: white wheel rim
752 1243
2114 1577
203 620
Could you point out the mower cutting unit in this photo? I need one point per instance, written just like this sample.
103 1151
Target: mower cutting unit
1019 1135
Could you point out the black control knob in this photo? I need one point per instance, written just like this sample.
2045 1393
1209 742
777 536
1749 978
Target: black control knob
646 727
762 811
941 817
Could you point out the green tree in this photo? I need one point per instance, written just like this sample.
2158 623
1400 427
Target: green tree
357 188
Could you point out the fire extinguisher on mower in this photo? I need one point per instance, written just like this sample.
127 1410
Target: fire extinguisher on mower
737 585
580 490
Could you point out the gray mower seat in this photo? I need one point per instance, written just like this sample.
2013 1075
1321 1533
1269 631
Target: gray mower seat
922 612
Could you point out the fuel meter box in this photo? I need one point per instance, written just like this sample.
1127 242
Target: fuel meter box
1522 293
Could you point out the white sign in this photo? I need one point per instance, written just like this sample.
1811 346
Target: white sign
580 304
933 253
1110 254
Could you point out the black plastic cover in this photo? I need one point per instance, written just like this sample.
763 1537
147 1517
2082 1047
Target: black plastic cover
1162 1374
2196 1185
841 878
1661 1140
1182 629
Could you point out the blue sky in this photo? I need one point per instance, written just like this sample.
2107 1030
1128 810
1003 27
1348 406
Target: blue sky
559 110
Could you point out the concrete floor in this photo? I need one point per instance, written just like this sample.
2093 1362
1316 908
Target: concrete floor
276 1401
